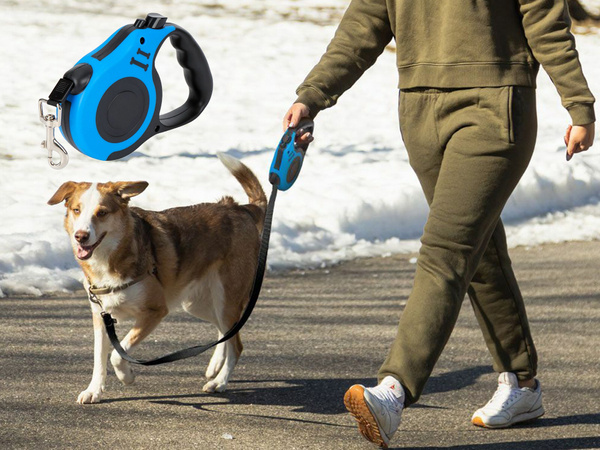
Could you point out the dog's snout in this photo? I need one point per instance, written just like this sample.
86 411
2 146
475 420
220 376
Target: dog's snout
82 236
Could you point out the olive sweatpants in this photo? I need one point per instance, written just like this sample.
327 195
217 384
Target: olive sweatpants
469 148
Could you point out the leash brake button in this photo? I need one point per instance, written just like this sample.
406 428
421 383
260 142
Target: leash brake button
155 21
60 92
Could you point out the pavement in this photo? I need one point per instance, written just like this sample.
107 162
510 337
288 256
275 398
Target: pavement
312 335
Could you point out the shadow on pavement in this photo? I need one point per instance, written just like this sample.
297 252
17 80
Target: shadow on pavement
318 396
554 444
578 419
454 381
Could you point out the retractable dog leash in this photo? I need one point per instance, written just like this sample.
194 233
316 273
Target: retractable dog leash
284 171
108 104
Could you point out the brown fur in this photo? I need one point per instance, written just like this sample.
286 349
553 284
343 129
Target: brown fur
205 255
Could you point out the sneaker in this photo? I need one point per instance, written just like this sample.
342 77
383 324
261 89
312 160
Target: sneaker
377 410
510 404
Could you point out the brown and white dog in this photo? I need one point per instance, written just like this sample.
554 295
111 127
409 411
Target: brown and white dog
202 257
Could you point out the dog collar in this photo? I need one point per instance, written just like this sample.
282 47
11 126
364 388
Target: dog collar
95 290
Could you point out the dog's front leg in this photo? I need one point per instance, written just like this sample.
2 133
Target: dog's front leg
145 323
101 348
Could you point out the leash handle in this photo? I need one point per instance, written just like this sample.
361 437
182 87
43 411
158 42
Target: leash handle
289 156
197 76
303 126
109 322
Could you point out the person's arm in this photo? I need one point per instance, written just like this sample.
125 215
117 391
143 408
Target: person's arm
360 38
547 28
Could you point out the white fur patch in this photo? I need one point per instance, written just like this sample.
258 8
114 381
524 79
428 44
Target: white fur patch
233 164
205 298
89 202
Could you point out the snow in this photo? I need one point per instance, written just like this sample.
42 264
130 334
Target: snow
356 195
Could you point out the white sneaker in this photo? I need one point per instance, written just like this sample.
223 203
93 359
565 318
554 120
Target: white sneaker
510 404
377 410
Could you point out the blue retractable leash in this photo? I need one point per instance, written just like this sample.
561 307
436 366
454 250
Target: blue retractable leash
108 104
289 156
284 171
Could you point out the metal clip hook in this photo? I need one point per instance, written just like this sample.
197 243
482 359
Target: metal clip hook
51 122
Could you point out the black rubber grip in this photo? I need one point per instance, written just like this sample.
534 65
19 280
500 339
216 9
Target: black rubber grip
307 125
197 76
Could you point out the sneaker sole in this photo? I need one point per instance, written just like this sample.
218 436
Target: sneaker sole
478 421
354 399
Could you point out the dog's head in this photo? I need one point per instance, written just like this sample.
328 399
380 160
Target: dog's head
96 213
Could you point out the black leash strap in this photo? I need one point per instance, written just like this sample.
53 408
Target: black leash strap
109 322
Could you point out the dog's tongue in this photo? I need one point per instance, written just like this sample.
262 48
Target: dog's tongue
84 252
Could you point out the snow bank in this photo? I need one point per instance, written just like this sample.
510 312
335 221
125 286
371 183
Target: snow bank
356 196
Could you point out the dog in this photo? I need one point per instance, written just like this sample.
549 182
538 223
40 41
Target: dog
202 257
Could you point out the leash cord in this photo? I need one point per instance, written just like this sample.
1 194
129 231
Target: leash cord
109 322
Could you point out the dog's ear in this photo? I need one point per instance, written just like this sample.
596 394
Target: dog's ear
128 189
63 192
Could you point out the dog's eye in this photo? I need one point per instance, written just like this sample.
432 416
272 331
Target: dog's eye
101 213
75 211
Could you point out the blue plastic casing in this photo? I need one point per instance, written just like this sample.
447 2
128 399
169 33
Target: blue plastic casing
115 103
289 157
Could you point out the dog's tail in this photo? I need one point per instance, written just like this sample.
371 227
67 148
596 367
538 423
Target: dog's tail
247 179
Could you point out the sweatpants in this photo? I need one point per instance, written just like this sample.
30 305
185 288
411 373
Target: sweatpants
469 148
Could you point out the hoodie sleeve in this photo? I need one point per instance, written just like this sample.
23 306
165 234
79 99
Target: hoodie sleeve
547 26
360 38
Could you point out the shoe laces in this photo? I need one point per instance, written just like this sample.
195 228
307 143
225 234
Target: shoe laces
505 395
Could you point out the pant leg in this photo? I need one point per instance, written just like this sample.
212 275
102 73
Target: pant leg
500 311
493 290
469 154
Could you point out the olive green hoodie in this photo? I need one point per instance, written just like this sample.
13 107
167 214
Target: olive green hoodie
454 44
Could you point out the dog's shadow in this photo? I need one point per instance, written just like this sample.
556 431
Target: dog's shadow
316 396
322 396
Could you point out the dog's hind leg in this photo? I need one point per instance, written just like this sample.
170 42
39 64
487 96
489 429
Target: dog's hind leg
233 350
217 360
228 357
146 321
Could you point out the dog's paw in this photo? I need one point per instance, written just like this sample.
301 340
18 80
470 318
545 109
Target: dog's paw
125 374
87 397
215 386
122 368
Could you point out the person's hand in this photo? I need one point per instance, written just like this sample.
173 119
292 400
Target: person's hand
579 138
293 116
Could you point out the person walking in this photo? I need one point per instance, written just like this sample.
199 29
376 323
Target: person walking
467 112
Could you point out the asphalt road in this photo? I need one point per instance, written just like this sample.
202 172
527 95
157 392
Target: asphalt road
312 335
